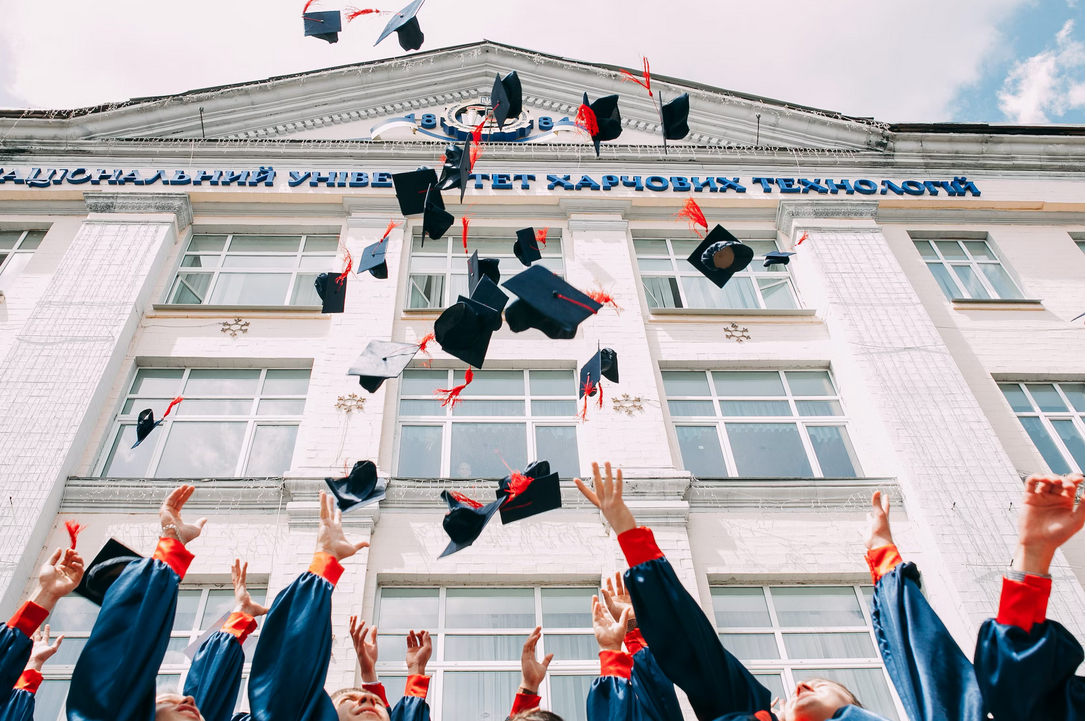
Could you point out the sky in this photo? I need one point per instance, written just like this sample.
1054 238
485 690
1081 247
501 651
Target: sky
1008 61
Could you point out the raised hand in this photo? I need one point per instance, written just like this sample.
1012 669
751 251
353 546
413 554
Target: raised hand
533 671
1049 516
616 597
330 538
244 602
607 495
170 516
365 640
58 577
419 650
42 650
878 532
609 632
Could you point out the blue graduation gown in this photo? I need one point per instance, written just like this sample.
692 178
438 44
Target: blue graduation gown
19 706
215 676
15 645
611 698
654 693
412 706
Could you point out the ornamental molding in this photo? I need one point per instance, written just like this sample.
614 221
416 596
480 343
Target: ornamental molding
175 203
135 495
791 494
792 211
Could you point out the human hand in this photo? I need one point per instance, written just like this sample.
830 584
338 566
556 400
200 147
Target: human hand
170 515
365 640
533 671
1048 517
878 532
419 650
330 538
616 597
42 650
608 497
58 577
609 632
244 602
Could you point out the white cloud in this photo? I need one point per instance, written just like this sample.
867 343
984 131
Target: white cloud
1047 84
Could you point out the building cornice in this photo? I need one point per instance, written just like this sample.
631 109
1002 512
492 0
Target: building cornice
176 204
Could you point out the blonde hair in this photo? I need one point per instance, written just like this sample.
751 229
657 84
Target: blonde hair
853 700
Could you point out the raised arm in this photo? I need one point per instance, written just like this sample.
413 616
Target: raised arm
611 697
1026 664
533 673
20 706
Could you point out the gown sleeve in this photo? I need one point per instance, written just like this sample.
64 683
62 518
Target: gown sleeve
523 702
215 676
1025 664
15 645
934 679
611 697
654 694
20 705
412 706
684 642
114 679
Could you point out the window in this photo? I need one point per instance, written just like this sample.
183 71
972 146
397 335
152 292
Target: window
439 268
758 424
233 422
967 269
253 269
1052 415
1077 238
497 427
16 247
671 282
478 634
198 608
788 634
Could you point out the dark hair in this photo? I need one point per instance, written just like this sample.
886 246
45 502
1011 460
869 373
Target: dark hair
536 714
853 700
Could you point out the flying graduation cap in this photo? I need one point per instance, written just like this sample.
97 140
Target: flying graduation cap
457 167
720 255
146 422
466 519
531 493
381 360
332 289
548 303
104 570
360 487
674 117
417 192
406 27
527 247
479 268
777 257
464 330
604 364
600 119
373 260
324 25
506 98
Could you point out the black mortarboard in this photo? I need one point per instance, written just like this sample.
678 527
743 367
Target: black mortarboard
436 220
144 425
104 570
526 248
720 242
381 360
674 116
333 292
605 363
489 300
541 493
465 520
777 257
482 268
609 364
609 124
463 330
457 167
406 27
547 302
506 98
411 190
373 260
324 25
361 487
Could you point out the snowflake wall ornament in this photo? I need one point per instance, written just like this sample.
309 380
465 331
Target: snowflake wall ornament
349 403
234 327
626 404
736 333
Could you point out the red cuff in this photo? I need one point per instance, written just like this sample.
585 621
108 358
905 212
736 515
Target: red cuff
417 686
377 688
634 641
616 663
173 553
326 566
882 560
29 681
240 625
639 546
27 619
1023 603
524 702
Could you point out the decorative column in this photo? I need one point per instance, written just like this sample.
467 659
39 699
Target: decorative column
59 371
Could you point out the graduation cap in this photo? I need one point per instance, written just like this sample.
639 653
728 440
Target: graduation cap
104 570
436 220
777 257
604 364
674 117
324 25
381 360
488 300
146 422
479 268
526 248
548 303
465 520
457 167
411 190
506 98
361 487
333 291
373 260
406 27
605 123
464 329
719 255
531 493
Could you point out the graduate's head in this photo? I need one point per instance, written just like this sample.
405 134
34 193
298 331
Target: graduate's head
175 707
536 714
818 699
357 703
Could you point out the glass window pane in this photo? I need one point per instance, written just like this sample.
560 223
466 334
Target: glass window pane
416 382
157 382
761 248
755 408
191 288
286 382
700 448
425 291
868 684
768 450
207 243
554 408
1071 437
691 408
488 408
319 263
420 263
740 607
201 449
924 249
751 646
188 602
701 293
817 606
321 243
772 682
49 699
973 286
819 408
175 652
661 292
408 609
950 249
220 601
777 294
748 383
392 648
272 450
222 382
496 383
8 238
1074 391
250 289
684 248
304 292
568 694
833 451
810 383
655 264
1017 399
1047 398
124 461
1000 280
200 261
553 383
478 694
168 683
257 243
260 261
68 653
413 407
483 648
72 613
1044 443
558 445
685 383
281 407
490 608
650 247
420 452
567 607
216 407
979 249
486 450
458 286
829 645
572 648
943 277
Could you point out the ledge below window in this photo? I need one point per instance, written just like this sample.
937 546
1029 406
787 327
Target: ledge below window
186 309
997 304
730 312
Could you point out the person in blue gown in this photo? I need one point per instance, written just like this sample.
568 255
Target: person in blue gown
20 705
371 698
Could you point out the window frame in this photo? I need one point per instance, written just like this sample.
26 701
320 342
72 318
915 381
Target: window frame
971 261
8 254
1046 418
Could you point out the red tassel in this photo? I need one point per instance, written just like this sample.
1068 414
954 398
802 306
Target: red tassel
645 75
464 233
600 395
441 158
584 414
693 215
803 237
170 407
452 395
355 12
427 340
342 277
389 229
586 120
541 237
519 483
602 297
306 8
473 155
466 500
73 531
477 132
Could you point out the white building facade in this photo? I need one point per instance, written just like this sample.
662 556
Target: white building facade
923 340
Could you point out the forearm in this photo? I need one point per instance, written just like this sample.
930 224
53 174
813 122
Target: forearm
1033 559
